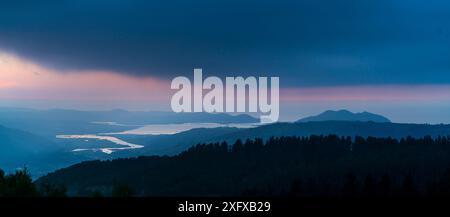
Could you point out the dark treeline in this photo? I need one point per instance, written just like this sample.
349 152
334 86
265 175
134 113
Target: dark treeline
315 166
20 184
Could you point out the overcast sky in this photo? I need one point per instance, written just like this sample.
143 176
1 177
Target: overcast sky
356 46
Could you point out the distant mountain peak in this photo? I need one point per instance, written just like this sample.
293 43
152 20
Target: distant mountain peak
345 115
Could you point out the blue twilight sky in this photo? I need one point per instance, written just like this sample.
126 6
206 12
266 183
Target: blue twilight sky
308 44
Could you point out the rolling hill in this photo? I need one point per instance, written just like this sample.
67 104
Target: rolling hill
307 166
174 144
19 148
49 123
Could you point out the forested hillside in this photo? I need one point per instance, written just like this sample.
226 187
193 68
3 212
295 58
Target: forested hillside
284 166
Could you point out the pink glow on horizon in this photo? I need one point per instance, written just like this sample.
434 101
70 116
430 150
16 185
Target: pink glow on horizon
7 84
22 79
365 93
25 80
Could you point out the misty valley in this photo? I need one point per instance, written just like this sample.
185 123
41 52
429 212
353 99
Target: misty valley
47 140
90 153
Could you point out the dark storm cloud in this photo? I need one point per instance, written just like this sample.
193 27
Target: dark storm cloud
320 42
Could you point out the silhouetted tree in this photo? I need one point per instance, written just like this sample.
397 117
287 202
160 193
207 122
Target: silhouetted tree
19 184
238 146
272 166
2 183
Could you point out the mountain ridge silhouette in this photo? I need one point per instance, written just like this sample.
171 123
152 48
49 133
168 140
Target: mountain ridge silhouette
346 115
